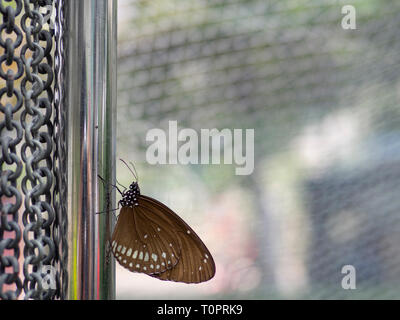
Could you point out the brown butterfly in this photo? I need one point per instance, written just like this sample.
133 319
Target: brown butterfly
150 238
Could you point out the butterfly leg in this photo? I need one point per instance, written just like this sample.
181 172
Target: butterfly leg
111 210
108 196
113 185
123 191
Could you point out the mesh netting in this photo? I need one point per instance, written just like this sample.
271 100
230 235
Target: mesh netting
324 105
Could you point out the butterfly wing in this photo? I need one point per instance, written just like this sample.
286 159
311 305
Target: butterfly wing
195 263
137 245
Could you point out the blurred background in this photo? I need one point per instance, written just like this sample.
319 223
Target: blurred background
324 104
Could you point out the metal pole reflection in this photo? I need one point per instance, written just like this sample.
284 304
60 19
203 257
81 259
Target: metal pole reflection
90 93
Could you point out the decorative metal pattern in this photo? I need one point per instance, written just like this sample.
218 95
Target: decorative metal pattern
33 149
38 215
60 157
10 163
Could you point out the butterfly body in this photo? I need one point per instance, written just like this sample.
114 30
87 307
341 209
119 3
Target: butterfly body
150 238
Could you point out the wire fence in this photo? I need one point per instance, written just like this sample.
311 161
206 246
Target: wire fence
323 101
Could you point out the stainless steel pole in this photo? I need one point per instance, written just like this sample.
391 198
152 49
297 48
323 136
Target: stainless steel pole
91 97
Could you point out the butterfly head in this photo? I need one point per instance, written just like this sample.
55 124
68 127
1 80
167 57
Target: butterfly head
130 197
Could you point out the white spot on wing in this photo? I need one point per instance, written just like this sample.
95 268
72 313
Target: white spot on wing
154 256
129 252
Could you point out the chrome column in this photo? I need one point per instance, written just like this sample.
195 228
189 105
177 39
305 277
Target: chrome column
90 92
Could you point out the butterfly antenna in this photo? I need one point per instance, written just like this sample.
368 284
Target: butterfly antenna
134 168
130 169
